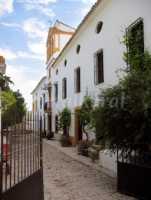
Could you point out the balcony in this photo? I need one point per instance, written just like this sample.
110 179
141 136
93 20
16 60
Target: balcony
47 107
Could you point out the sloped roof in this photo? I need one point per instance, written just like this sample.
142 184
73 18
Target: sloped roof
41 80
79 27
61 26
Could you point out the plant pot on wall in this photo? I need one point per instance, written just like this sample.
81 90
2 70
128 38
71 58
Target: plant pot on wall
93 152
64 141
66 131
83 148
50 135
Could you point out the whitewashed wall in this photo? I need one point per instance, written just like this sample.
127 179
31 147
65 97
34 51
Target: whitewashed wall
116 15
37 94
63 40
108 161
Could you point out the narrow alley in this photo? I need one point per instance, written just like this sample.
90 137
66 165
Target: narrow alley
67 179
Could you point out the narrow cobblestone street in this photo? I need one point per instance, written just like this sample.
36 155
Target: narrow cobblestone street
67 179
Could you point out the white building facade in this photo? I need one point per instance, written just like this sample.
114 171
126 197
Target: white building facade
40 97
58 36
90 60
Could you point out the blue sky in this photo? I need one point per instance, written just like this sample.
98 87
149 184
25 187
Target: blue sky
23 32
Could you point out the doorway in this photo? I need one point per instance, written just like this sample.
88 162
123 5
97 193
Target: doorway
78 128
56 123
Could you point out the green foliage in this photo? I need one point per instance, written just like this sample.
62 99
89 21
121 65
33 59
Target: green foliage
134 41
20 105
65 120
5 81
13 107
85 114
8 99
124 113
13 104
86 111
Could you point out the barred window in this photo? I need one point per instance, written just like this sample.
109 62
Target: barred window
99 68
135 44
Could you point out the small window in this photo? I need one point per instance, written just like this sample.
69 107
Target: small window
77 80
64 88
56 91
65 63
44 98
99 27
78 49
36 106
56 71
49 72
99 68
40 102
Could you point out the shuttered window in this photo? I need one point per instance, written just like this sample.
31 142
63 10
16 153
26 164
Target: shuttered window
40 102
77 80
64 88
56 91
99 68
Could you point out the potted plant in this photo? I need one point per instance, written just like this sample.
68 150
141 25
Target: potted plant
83 147
64 124
85 116
93 152
64 141
50 135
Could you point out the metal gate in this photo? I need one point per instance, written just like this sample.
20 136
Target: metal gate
134 170
21 166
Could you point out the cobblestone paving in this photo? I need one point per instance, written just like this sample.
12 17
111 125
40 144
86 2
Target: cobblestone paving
67 179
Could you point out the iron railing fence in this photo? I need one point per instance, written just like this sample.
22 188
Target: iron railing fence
134 170
138 154
21 151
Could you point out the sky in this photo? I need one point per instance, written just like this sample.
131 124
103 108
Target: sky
24 27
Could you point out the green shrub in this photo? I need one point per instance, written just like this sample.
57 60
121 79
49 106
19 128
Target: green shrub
5 81
85 115
65 121
124 113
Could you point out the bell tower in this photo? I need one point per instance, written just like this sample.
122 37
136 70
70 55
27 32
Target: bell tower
58 36
2 65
